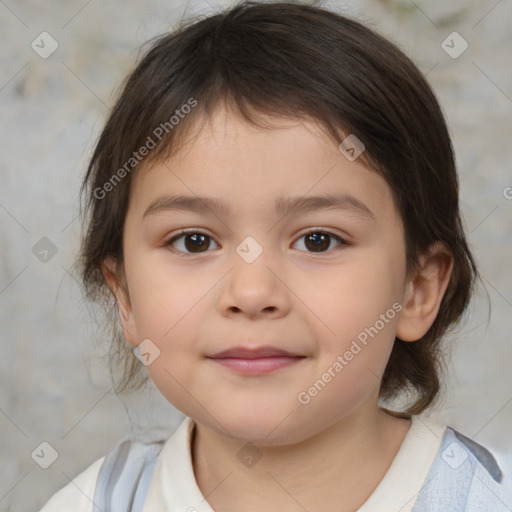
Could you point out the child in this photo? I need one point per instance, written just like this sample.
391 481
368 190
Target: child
273 204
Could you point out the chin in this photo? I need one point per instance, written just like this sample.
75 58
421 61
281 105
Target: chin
259 427
236 423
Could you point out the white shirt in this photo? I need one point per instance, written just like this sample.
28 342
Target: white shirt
173 486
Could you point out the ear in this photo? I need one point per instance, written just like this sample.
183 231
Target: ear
424 293
111 270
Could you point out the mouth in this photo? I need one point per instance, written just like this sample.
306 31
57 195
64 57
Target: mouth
257 361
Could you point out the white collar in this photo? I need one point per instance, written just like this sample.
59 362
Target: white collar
399 488
173 487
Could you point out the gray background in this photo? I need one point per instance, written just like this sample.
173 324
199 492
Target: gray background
54 383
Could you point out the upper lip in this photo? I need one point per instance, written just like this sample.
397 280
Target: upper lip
253 353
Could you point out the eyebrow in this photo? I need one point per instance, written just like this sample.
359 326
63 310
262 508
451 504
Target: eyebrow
283 205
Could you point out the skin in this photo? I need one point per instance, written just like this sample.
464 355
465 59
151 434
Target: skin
328 454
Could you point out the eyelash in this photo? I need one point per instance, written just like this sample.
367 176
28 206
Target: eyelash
197 232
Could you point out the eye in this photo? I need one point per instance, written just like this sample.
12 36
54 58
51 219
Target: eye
194 242
320 241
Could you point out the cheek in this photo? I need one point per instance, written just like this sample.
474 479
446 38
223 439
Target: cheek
172 380
167 305
352 297
164 297
359 306
351 364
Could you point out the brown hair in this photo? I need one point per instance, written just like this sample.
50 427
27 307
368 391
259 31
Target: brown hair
298 61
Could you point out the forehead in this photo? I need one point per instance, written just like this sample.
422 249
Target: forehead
240 165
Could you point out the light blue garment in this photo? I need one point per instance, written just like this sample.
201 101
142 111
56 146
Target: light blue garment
464 477
123 480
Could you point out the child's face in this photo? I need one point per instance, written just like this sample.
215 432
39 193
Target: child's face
211 296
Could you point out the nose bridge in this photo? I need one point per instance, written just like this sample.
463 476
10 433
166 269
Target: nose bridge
253 285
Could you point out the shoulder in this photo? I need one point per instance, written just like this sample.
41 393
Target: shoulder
464 476
125 475
120 477
78 495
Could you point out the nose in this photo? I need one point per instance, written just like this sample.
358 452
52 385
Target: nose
254 289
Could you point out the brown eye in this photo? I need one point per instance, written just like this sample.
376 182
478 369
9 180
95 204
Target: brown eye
191 242
319 241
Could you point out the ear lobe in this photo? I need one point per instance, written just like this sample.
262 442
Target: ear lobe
424 293
117 284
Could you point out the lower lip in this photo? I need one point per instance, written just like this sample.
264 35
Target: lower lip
259 365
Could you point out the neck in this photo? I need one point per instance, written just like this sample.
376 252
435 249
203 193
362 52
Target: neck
342 464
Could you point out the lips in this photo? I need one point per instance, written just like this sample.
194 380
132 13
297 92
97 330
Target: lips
257 361
246 353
